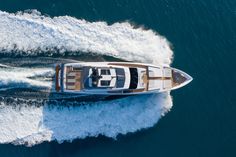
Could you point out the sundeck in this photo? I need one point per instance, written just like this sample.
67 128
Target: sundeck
117 78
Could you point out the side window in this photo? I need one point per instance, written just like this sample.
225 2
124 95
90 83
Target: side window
105 83
105 72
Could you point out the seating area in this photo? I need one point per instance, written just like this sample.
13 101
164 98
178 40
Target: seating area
73 79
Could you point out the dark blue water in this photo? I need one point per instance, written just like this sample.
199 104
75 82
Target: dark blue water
203 36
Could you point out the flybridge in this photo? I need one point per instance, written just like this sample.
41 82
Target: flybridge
117 78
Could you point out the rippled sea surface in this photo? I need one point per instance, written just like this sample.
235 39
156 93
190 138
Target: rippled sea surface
197 37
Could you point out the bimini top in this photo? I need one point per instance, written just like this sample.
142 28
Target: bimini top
117 78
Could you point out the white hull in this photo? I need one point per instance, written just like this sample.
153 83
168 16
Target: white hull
117 78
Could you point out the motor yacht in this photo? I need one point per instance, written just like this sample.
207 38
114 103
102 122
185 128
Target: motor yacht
117 78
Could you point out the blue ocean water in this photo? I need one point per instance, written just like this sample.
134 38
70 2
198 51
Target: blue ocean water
202 119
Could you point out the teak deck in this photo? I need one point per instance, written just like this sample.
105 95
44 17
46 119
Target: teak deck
73 79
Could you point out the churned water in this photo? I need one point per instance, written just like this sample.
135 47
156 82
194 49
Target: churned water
197 37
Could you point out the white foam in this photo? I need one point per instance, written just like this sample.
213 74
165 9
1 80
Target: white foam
32 125
32 33
21 77
4 66
16 123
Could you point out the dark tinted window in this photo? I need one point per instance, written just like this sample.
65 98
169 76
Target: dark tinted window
120 77
105 83
77 68
133 78
105 72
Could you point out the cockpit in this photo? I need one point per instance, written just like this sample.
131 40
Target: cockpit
94 76
102 77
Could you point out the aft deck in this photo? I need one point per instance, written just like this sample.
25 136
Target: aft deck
73 79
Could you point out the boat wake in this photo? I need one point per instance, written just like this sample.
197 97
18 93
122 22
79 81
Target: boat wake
33 34
33 121
25 77
27 124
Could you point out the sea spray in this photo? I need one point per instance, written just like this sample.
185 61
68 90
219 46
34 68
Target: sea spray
32 33
24 124
33 121
22 77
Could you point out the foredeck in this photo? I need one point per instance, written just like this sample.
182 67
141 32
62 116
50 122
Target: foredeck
177 78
